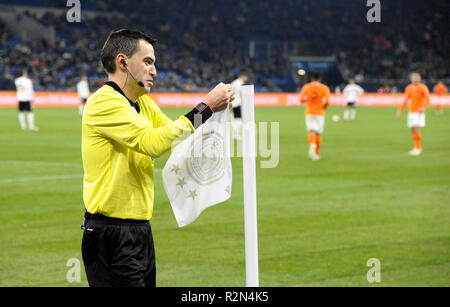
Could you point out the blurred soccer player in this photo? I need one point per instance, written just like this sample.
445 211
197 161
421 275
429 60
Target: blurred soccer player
237 115
25 96
351 92
419 95
83 92
317 97
440 89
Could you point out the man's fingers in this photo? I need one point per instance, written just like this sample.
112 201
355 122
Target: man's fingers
226 87
221 97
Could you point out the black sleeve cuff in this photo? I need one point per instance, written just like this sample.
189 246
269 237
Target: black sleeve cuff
199 115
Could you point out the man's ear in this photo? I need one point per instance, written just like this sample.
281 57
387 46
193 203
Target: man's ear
121 61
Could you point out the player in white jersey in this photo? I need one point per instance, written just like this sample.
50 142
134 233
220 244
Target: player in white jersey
351 92
237 116
25 96
83 92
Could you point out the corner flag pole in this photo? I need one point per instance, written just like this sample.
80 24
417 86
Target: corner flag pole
249 169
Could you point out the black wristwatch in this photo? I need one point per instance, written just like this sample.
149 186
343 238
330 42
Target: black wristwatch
201 107
199 114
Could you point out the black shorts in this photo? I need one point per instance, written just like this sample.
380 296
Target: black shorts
83 100
25 106
237 112
118 253
351 104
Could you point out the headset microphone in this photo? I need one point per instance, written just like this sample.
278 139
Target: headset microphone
124 63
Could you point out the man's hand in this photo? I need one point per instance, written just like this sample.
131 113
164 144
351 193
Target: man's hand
220 97
399 114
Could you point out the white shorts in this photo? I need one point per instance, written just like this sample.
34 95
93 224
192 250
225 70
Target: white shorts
416 120
315 123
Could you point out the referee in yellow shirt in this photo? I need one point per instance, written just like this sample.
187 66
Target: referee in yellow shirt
123 130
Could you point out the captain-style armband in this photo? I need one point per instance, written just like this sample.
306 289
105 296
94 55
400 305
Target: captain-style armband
199 115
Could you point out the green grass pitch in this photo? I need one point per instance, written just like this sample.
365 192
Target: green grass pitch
318 221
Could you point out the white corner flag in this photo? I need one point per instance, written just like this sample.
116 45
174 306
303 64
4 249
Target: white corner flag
249 172
198 173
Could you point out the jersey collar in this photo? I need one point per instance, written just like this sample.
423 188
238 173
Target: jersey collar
118 89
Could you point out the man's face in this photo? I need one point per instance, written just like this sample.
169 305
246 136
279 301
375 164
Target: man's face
415 78
142 66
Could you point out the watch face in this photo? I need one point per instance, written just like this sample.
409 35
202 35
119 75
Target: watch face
200 106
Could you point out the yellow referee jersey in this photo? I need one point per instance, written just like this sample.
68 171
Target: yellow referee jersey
118 147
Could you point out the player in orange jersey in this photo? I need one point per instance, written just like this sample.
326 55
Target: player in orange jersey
419 95
316 95
440 89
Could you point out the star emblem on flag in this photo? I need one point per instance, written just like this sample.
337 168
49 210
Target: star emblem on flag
193 194
181 182
175 168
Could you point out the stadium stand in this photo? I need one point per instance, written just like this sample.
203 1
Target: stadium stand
202 42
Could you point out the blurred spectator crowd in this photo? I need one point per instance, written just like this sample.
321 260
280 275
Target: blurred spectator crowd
202 42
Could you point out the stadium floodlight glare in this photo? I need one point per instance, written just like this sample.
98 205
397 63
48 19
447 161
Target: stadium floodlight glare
249 171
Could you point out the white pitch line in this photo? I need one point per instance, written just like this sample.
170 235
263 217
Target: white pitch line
40 178
39 163
44 178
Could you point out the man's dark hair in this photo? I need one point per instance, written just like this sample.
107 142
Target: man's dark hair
122 41
316 76
244 73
